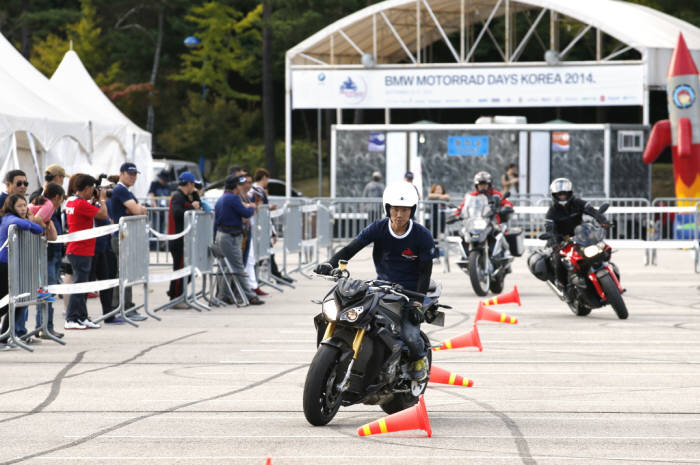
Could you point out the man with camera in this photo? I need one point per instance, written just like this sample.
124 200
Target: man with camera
124 203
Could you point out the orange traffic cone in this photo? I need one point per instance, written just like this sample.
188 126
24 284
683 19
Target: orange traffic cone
268 461
415 417
484 313
511 297
471 339
441 376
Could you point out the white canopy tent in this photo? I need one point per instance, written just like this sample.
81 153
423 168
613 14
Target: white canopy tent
118 139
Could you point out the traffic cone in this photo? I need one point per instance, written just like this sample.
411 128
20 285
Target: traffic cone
415 417
471 339
511 297
484 313
268 461
441 376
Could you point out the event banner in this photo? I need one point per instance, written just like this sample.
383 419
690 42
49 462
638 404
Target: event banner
482 87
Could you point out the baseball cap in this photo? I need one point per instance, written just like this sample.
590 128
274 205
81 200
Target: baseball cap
408 175
241 180
128 167
163 175
55 170
187 176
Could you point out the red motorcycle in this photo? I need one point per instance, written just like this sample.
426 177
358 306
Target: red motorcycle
593 280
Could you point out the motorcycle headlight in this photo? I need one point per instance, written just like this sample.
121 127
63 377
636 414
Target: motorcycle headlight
352 314
479 223
330 310
592 251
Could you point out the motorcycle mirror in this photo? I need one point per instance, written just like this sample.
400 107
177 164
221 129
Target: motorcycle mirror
603 208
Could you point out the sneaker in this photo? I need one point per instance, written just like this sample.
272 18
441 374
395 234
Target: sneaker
89 324
42 335
260 292
74 325
56 333
419 369
114 321
256 301
43 294
136 316
31 341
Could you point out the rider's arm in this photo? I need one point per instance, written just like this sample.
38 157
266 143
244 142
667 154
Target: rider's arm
347 252
550 226
425 269
590 210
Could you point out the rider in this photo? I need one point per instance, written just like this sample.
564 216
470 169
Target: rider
561 220
483 186
403 254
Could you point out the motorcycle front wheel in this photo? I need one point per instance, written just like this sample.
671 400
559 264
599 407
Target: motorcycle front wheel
321 395
478 273
614 297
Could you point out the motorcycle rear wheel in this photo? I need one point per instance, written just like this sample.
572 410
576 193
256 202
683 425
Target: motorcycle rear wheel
477 273
321 398
614 297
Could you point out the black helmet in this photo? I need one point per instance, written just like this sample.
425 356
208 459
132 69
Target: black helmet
561 186
482 176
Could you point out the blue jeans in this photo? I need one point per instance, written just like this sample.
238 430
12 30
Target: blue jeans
410 334
77 303
54 272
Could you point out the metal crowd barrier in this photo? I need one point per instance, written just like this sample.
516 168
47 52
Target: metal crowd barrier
27 271
198 255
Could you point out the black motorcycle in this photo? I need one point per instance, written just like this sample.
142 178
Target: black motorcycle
487 246
360 356
593 281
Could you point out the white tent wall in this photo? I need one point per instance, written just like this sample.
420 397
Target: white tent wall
107 157
144 161
70 155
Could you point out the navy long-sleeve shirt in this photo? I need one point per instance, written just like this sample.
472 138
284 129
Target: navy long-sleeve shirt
229 211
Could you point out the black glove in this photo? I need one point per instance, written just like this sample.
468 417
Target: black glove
415 314
324 268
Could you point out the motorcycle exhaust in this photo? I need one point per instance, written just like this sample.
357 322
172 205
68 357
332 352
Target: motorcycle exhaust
556 290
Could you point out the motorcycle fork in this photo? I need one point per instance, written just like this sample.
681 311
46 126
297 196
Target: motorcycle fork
356 344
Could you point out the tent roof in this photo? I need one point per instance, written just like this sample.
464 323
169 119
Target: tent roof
651 32
29 103
73 79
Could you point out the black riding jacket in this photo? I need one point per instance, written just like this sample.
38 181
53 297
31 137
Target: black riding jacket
561 221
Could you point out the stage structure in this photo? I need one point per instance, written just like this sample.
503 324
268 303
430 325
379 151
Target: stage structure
381 57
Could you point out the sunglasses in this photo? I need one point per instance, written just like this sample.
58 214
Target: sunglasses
20 183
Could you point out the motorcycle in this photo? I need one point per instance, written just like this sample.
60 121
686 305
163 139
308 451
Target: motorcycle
593 281
360 356
487 246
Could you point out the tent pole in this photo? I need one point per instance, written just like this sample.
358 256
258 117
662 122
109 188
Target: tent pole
287 129
32 147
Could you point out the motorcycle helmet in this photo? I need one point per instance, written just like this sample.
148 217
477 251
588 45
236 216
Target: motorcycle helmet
561 186
481 177
400 194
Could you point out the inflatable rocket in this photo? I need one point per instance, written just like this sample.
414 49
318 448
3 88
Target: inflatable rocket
682 128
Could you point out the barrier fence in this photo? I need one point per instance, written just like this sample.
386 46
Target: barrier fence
311 229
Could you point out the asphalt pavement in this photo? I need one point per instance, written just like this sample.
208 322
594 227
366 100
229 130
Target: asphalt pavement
225 386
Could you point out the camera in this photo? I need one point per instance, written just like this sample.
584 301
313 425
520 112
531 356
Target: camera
99 186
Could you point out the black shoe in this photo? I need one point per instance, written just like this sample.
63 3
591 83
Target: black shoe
135 316
256 301
31 341
227 299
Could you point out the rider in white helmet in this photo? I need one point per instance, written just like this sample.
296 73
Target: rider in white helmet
403 254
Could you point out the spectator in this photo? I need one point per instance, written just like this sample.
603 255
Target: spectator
229 214
16 183
243 190
408 177
104 266
374 188
509 179
183 199
81 211
53 174
255 197
262 178
437 192
47 206
124 203
158 192
14 211
199 188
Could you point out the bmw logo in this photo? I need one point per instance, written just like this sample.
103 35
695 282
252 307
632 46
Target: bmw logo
683 96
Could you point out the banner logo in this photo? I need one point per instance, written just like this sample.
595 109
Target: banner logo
354 91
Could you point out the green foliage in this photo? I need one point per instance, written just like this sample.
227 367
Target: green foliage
230 43
87 43
252 156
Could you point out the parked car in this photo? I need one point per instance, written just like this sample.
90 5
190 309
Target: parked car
173 168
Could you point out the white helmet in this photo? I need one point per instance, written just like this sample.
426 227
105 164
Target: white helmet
400 194
561 186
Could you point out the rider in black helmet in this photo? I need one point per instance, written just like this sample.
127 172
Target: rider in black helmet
562 218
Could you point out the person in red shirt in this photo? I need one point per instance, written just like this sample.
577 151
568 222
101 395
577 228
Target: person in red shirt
483 186
81 211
